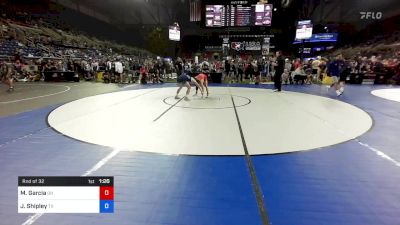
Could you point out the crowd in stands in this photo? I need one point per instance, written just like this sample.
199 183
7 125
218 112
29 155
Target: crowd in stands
296 71
35 46
128 69
380 55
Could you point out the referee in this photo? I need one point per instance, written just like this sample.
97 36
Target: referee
279 66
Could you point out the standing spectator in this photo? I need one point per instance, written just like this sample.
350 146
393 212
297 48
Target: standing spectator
218 66
315 67
95 66
322 68
87 69
6 75
233 70
213 68
143 74
187 67
179 66
205 66
18 67
240 72
308 71
227 68
248 70
257 72
297 64
118 69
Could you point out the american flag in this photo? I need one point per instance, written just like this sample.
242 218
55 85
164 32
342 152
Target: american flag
195 10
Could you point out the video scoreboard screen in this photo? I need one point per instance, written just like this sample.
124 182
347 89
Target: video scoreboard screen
238 15
263 14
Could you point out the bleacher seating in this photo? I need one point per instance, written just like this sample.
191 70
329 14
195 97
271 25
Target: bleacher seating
43 38
8 48
32 51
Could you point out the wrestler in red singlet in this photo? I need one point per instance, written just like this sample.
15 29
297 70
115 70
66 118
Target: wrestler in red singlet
203 81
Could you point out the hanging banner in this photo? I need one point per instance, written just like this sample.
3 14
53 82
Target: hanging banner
238 46
252 45
246 46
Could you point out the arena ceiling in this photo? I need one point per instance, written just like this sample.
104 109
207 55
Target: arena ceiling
349 11
164 12
131 12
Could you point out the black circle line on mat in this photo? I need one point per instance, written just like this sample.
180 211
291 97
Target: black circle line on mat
228 107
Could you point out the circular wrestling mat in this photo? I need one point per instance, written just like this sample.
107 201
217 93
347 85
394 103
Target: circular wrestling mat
390 94
151 120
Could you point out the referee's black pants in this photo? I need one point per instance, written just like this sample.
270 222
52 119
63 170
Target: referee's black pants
278 80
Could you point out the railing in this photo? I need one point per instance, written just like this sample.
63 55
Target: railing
43 48
6 58
10 59
30 41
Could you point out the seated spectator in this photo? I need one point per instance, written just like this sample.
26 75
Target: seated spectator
315 66
322 68
106 77
33 77
299 75
286 78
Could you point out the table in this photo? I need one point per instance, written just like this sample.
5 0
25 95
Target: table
355 78
58 76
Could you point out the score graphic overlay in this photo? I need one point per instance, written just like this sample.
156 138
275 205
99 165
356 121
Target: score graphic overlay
66 194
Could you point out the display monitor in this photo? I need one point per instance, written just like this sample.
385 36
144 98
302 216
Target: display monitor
304 30
215 15
263 14
174 33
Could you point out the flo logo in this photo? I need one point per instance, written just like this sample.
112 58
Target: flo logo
371 15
